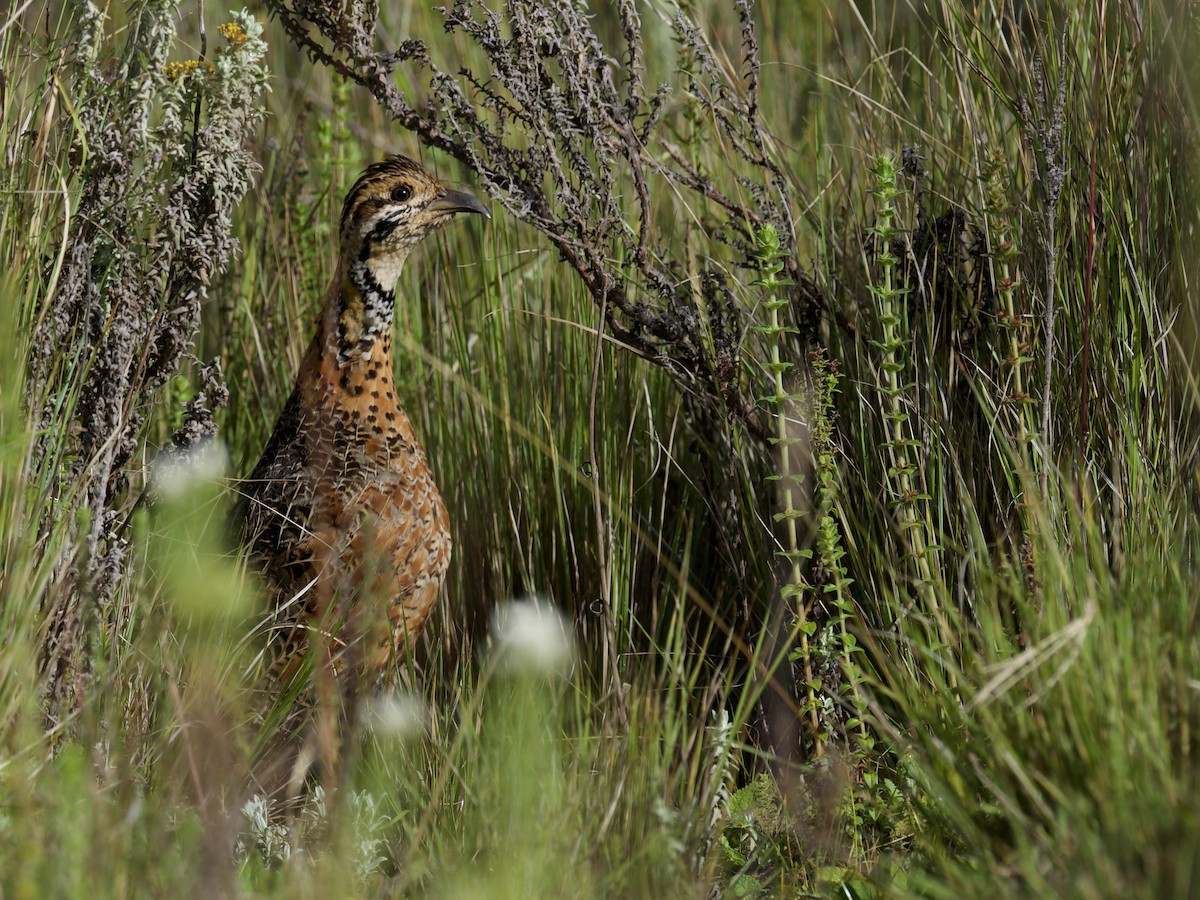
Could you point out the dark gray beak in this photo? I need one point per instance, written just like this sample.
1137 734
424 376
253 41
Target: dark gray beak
459 201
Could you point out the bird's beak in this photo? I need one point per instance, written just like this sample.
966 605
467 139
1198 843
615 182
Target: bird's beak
459 201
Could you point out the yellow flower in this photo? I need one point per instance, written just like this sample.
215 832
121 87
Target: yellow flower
233 33
176 70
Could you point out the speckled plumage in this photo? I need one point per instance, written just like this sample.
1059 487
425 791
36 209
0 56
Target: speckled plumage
342 514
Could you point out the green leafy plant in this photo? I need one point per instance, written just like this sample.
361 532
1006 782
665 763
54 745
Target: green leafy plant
904 451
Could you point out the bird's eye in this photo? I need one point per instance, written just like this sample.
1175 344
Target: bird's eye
401 193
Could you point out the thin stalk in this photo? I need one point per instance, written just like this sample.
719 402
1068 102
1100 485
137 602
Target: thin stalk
771 260
899 446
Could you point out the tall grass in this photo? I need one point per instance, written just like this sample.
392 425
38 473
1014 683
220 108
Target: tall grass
993 640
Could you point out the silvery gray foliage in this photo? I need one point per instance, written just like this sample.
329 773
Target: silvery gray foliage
276 840
568 136
198 425
161 165
263 832
370 823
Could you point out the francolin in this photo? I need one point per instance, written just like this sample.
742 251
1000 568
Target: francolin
341 514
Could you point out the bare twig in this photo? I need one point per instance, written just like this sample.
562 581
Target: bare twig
559 132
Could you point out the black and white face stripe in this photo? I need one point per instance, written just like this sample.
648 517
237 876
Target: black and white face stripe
384 183
383 229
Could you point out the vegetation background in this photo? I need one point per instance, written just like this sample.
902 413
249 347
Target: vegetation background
917 618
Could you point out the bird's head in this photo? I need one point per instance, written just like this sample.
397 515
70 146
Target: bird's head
391 207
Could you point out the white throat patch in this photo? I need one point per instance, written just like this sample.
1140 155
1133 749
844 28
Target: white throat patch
385 268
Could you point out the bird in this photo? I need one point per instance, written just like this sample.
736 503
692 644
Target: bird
341 516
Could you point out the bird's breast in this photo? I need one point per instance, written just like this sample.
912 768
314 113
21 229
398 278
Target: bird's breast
382 491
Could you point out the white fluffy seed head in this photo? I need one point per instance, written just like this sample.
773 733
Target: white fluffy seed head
398 715
178 475
532 636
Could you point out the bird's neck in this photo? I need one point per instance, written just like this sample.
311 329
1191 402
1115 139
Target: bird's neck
360 306
352 350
